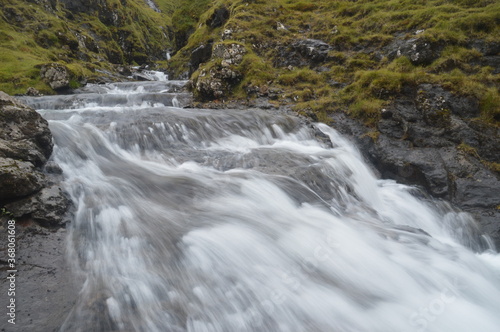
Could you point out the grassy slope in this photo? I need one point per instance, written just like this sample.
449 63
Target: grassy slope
359 30
31 35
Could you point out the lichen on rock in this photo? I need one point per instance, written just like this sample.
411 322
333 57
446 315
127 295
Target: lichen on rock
56 76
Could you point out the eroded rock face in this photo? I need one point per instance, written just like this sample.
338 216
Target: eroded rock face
199 55
56 76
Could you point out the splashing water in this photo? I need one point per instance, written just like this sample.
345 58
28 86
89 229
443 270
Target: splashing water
222 220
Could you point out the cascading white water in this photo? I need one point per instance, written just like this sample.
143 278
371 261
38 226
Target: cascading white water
221 220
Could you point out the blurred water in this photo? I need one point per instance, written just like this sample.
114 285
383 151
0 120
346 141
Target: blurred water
230 220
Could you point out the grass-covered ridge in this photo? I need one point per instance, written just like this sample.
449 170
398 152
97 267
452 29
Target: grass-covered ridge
362 73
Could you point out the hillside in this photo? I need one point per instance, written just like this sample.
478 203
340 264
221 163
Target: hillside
364 52
90 39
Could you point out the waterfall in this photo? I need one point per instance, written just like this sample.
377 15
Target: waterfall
249 220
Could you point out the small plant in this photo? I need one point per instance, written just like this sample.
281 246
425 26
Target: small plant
5 213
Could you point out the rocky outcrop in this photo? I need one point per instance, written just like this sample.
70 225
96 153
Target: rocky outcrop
47 207
418 50
25 146
56 76
430 138
303 52
218 80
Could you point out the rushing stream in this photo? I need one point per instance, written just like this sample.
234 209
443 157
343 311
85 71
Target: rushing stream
250 220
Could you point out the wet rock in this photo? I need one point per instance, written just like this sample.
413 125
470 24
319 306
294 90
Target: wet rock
47 207
53 168
482 190
25 135
218 18
18 179
44 276
56 76
419 143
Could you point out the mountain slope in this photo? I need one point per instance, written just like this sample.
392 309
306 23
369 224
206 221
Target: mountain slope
85 36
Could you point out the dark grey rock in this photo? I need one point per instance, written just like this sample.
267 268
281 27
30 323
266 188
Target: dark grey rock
304 52
418 50
482 190
218 18
420 139
53 168
199 55
44 278
47 207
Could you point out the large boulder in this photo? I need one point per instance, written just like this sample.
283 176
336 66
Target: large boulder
25 135
25 146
